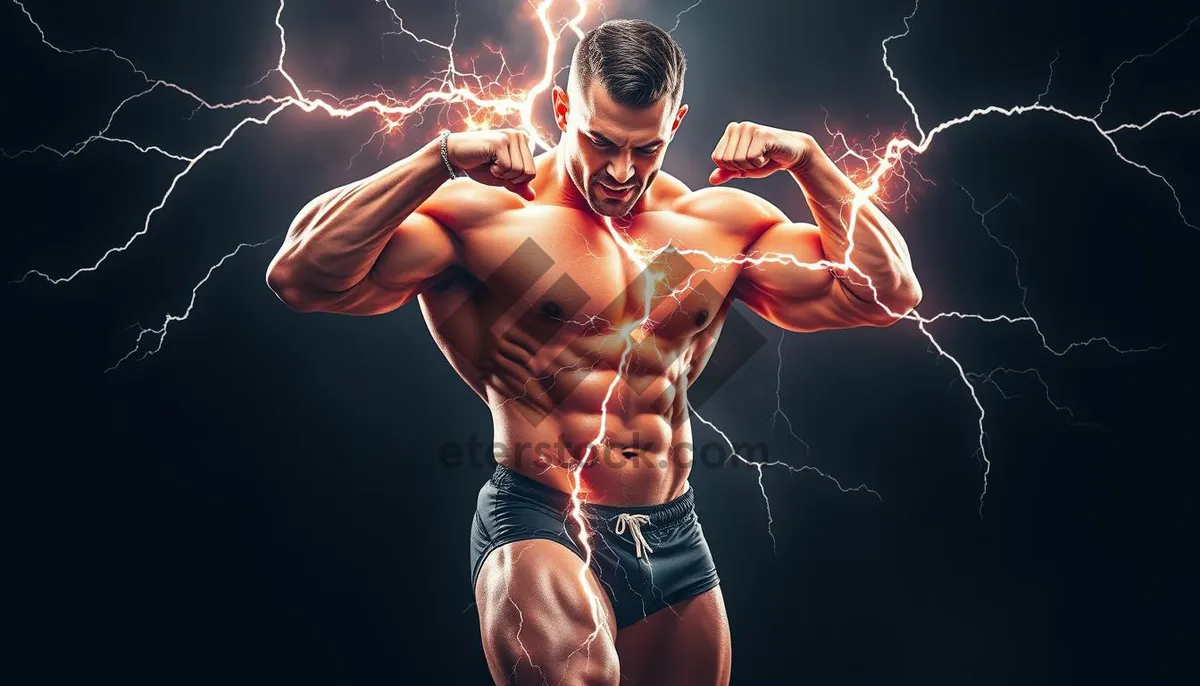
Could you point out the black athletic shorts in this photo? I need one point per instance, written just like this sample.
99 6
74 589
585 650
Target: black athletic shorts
674 564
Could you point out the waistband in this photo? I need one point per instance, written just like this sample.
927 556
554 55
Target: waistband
661 515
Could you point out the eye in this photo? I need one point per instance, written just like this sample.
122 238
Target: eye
648 151
601 144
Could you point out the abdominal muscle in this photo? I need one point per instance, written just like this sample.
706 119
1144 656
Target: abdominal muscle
637 447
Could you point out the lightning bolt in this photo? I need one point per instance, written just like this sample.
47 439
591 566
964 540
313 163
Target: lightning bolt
983 214
454 88
989 378
899 146
887 164
517 635
759 466
161 332
1049 79
779 399
1112 81
487 101
679 17
596 444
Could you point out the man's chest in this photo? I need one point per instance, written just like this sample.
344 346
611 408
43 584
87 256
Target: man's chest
659 273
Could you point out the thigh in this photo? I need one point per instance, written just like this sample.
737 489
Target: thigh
537 623
685 644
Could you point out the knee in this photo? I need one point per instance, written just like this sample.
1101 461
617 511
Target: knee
594 665
601 667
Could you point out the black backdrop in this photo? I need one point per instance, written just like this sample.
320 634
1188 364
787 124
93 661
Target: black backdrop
263 499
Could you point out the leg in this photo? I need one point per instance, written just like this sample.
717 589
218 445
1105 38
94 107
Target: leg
536 620
685 644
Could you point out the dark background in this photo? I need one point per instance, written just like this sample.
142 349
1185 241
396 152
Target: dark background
263 500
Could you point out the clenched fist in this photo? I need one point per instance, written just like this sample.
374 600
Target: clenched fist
500 157
752 151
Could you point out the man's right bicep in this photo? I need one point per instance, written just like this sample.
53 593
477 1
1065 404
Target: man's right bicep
419 249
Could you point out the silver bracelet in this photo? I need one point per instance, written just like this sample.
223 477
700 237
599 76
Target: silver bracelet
454 171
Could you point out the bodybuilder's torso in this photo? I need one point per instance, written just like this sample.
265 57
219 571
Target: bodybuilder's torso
577 330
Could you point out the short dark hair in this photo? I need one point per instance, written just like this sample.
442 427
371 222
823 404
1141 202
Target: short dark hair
637 62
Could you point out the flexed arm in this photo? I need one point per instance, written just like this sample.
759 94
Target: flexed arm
803 299
370 246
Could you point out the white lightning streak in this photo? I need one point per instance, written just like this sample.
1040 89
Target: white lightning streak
161 331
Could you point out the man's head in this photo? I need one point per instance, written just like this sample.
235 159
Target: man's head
620 109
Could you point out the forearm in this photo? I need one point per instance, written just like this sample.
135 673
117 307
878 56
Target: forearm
864 238
336 239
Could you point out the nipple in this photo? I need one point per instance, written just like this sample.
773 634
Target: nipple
551 309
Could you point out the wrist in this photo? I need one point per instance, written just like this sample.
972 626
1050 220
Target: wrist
807 149
431 164
427 164
453 170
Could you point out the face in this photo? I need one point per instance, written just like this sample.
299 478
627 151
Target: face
612 152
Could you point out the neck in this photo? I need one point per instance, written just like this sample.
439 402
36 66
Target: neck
561 190
557 188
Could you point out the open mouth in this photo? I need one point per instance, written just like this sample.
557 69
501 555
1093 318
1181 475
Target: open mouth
615 193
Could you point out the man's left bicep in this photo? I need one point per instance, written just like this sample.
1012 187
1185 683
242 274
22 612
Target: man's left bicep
788 260
784 269
788 282
829 308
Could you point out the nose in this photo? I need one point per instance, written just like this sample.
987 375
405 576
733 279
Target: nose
620 168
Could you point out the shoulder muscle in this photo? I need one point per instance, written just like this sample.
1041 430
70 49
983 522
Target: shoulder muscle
464 203
732 209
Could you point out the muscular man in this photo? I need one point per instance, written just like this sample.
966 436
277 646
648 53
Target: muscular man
579 293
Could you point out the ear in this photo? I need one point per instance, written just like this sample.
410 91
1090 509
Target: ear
679 115
562 107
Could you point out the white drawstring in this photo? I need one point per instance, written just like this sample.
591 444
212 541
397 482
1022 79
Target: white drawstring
634 522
